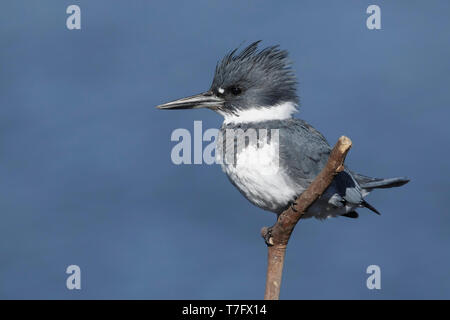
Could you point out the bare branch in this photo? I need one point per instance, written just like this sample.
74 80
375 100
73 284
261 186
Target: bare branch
277 236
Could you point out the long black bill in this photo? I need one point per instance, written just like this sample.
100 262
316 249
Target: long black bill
203 100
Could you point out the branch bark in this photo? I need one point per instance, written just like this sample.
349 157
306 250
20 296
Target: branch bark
277 236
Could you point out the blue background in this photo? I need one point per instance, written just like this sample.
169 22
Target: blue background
86 176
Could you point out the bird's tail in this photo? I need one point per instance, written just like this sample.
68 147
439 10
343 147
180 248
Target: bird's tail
368 184
380 183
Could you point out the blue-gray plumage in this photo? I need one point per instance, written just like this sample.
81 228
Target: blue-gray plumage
255 91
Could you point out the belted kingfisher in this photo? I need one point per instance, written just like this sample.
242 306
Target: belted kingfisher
256 89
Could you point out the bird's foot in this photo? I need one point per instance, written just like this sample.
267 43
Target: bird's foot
293 206
266 233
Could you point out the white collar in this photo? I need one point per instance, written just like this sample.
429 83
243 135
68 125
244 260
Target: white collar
281 111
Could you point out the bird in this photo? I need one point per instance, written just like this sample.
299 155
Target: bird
256 90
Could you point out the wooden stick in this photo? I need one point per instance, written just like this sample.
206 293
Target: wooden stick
277 236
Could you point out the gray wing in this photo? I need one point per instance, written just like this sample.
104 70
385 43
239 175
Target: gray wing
304 151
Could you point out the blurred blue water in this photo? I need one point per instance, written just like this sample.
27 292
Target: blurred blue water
85 170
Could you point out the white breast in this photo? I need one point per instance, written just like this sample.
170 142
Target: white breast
257 173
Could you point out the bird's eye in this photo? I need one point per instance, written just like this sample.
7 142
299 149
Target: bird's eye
235 90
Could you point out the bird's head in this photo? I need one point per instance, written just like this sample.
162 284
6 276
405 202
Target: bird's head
250 84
